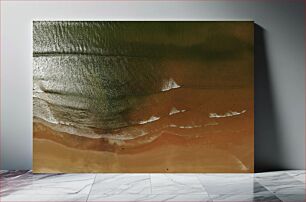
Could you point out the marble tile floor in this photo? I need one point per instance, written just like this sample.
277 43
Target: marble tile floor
287 186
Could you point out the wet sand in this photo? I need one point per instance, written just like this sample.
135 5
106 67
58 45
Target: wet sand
169 154
219 144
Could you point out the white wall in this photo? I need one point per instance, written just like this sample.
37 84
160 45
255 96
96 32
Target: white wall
279 111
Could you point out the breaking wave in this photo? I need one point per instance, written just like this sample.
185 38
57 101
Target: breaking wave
227 114
169 84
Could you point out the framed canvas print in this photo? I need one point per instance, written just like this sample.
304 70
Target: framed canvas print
133 96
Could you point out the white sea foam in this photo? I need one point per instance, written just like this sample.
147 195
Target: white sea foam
169 84
66 123
175 111
194 126
186 126
44 112
151 119
227 114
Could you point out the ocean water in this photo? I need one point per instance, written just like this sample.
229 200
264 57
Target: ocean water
126 80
